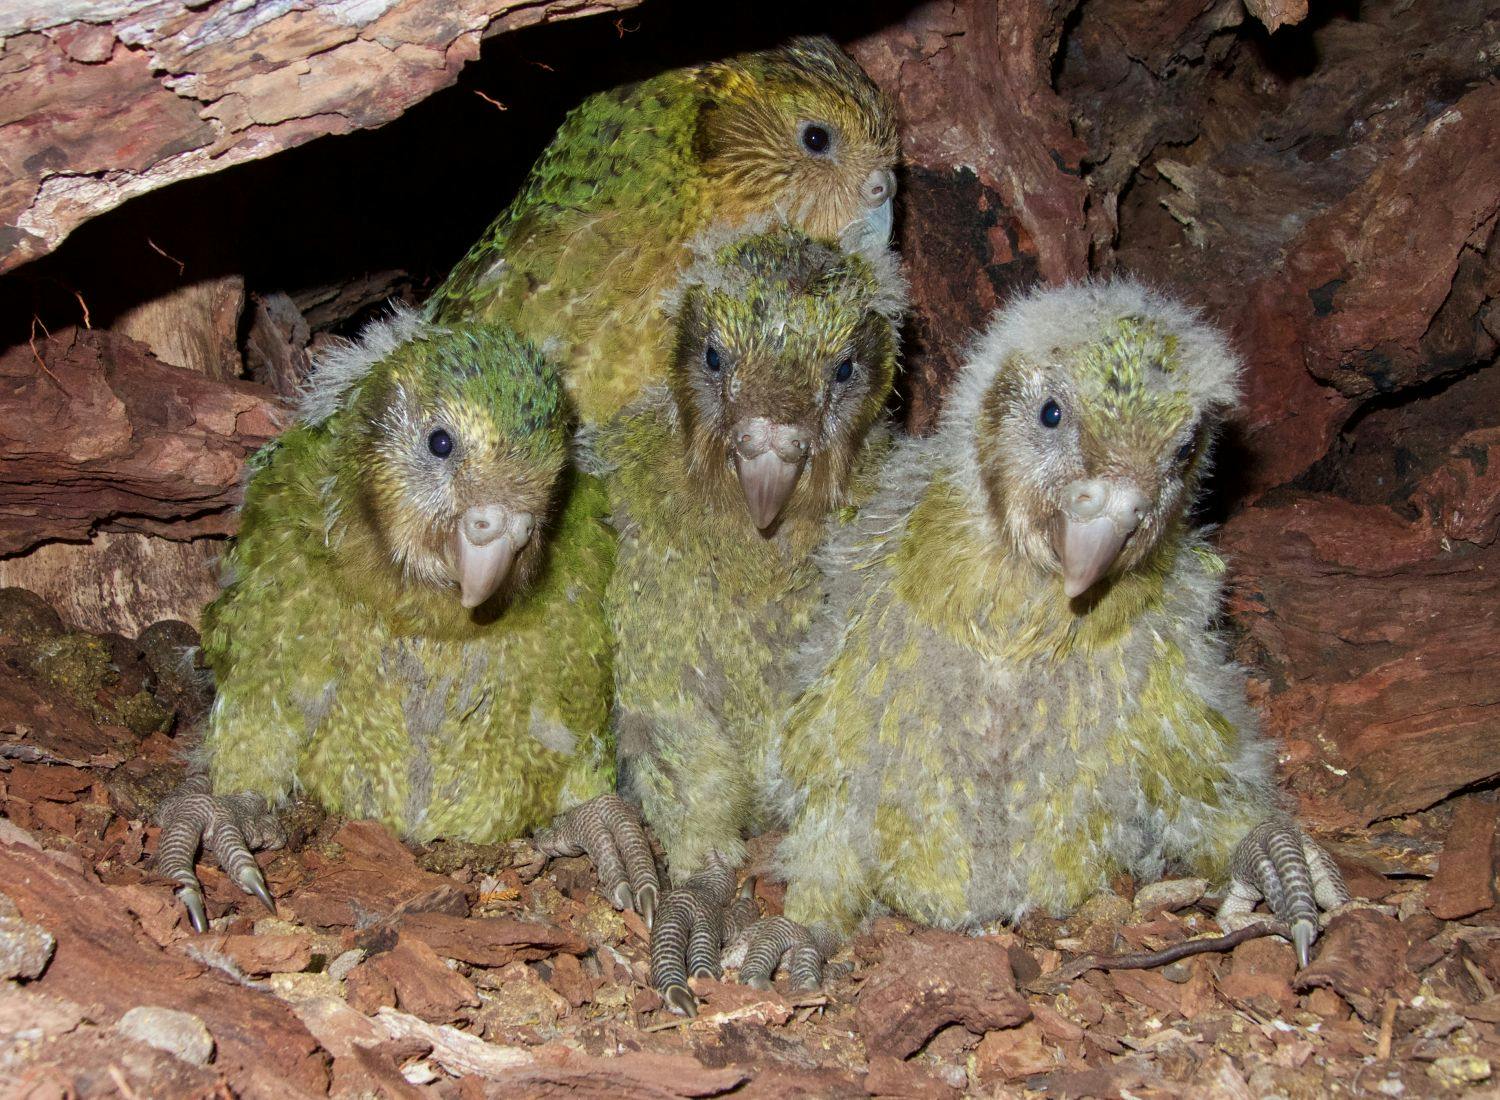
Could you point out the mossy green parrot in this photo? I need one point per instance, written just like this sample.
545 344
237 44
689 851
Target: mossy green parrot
411 627
581 258
1016 690
722 483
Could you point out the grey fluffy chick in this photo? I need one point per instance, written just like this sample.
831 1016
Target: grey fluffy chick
1016 692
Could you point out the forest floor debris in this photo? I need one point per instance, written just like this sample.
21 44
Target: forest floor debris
465 971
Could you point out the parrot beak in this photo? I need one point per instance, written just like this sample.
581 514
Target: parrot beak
768 458
872 230
1098 516
485 547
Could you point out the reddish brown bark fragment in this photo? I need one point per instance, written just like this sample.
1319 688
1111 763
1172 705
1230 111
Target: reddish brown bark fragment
1465 878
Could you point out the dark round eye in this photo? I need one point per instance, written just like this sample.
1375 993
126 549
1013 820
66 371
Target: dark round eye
815 138
1051 414
711 358
440 443
845 371
1185 452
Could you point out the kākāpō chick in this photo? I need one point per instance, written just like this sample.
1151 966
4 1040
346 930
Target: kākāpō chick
411 627
599 231
1016 692
722 483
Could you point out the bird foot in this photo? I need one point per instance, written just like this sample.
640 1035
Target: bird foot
763 947
695 923
609 831
1281 864
232 826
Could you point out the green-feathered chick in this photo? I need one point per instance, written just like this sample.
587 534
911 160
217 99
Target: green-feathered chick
599 231
1017 691
411 627
722 485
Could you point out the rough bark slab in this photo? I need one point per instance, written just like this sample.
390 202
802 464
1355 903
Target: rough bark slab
490 941
99 432
1376 644
103 963
1362 957
929 980
1465 879
192 88
373 876
120 581
412 978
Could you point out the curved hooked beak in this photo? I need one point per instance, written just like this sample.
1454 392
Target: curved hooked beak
768 458
1098 516
485 546
872 229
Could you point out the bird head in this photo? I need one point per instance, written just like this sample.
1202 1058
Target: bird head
802 130
1092 409
785 353
456 437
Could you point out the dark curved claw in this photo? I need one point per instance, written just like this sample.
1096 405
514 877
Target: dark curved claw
690 933
230 825
192 900
1277 861
609 831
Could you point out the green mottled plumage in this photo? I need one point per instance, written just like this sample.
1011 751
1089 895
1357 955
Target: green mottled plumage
599 230
346 668
973 745
708 612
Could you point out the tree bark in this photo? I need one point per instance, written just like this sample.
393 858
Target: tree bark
102 100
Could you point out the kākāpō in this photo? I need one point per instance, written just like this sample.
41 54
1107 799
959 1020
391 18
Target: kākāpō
600 229
411 626
1016 689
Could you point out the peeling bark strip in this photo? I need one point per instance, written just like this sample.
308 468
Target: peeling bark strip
94 431
103 100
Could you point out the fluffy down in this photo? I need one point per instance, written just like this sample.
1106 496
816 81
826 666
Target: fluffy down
347 666
973 743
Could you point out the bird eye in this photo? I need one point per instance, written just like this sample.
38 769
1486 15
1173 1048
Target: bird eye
711 359
1051 414
816 138
1185 452
440 443
845 371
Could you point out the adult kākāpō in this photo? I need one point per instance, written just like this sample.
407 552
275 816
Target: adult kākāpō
722 484
599 231
411 627
1016 691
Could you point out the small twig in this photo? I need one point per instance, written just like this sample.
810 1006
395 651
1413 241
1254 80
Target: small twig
120 1083
1486 990
83 306
493 102
622 30
1387 1029
35 320
812 1001
181 267
1147 960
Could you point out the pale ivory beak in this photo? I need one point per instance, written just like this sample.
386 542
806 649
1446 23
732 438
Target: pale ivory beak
1098 515
768 458
873 228
485 547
